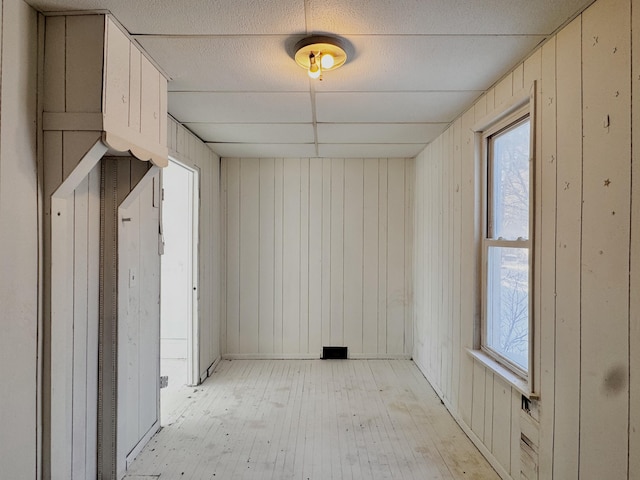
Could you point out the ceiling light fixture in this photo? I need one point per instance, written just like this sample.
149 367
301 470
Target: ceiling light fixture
320 53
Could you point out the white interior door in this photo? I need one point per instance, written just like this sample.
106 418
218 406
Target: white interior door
179 304
138 414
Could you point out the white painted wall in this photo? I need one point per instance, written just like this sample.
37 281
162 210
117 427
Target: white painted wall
19 243
189 150
587 361
318 253
86 261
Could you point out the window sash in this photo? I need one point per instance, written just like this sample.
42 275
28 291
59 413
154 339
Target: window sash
489 304
510 121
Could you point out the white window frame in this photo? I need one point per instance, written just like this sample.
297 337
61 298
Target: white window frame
511 113
488 239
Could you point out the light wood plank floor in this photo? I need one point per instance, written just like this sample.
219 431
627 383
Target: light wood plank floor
312 419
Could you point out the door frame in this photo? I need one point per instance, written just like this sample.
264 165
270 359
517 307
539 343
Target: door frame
193 328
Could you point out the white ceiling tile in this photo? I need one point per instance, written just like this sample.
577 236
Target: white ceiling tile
195 17
379 132
444 17
264 150
414 62
420 63
391 107
214 107
341 150
237 63
253 132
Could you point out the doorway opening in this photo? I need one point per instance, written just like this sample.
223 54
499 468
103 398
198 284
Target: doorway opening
179 365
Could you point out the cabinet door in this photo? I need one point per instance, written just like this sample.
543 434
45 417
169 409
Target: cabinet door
150 104
116 82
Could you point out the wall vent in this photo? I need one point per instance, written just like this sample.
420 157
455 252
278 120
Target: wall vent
334 353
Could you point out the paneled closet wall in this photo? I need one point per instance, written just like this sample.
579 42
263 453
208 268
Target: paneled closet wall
318 253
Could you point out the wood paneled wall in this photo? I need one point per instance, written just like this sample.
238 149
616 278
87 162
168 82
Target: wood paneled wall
587 232
20 243
318 253
188 149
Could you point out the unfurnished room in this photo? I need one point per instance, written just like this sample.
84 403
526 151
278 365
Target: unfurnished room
319 239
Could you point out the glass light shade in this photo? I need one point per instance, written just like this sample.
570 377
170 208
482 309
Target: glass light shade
318 54
327 61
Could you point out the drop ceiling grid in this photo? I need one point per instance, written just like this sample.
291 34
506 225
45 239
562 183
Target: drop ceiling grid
417 65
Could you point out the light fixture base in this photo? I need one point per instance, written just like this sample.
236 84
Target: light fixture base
318 45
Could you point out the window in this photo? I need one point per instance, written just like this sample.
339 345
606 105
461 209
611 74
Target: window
506 246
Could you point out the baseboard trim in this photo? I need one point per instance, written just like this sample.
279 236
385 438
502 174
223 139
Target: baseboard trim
142 443
379 356
209 370
312 356
271 356
486 453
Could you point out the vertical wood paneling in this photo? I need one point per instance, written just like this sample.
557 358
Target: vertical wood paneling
634 306
93 271
491 100
315 256
409 173
291 258
545 181
54 65
436 263
84 62
150 103
309 257
478 407
395 256
326 251
469 246
353 253
489 381
233 257
446 266
501 419
224 196
81 315
370 256
515 433
278 255
518 79
135 81
267 250
605 240
504 90
456 263
434 298
117 96
249 255
383 209
337 252
304 257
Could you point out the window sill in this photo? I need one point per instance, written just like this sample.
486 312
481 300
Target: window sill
520 384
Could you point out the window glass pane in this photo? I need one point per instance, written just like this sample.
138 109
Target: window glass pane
507 328
510 182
